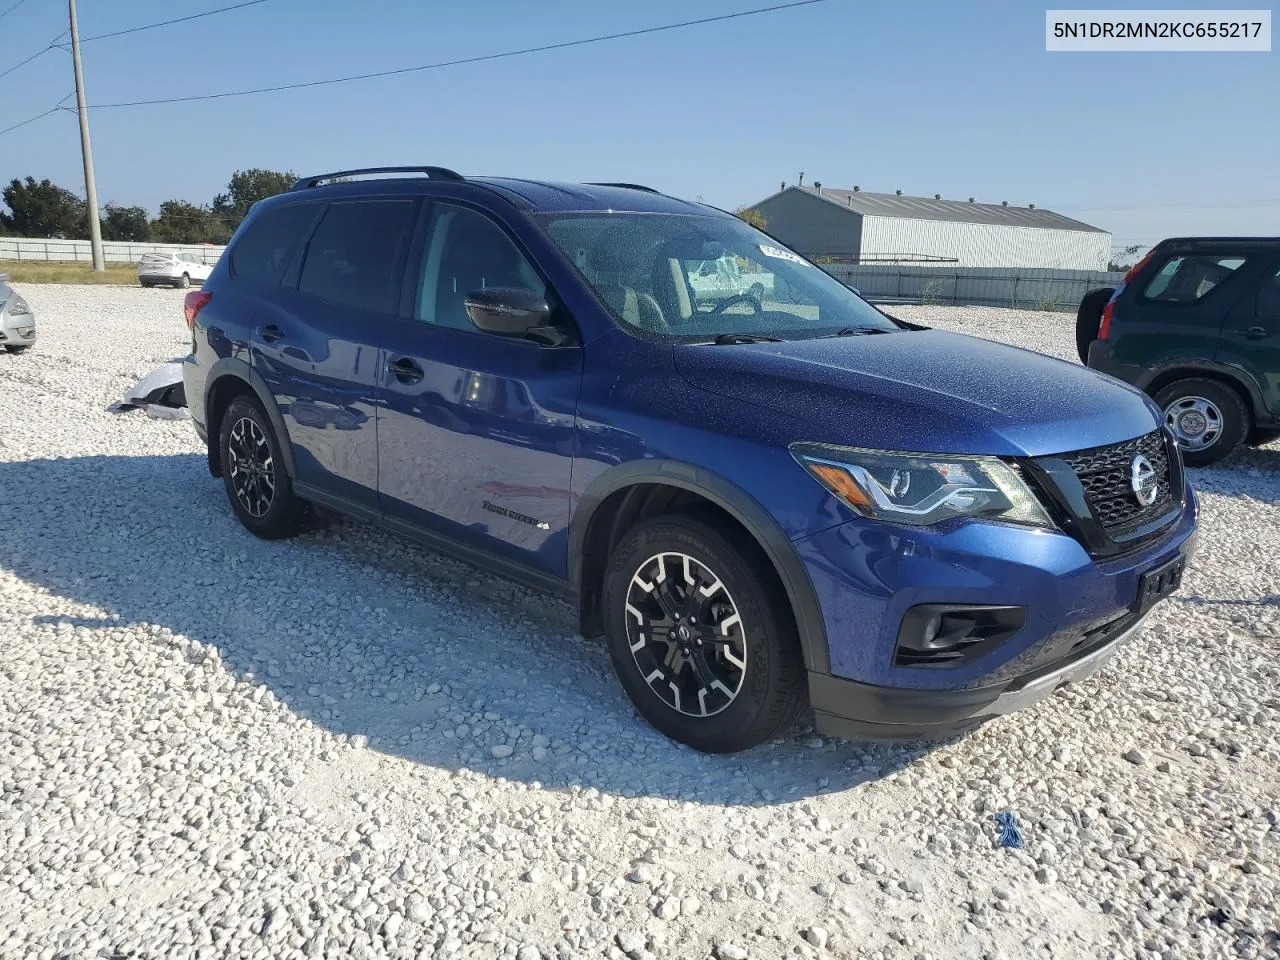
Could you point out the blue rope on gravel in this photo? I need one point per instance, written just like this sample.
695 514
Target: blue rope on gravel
1010 835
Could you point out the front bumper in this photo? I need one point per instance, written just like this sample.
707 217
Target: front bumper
861 711
867 576
17 331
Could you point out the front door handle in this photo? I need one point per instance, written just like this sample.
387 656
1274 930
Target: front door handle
405 370
1253 333
271 334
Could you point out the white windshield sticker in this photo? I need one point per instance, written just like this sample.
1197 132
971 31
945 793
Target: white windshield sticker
779 254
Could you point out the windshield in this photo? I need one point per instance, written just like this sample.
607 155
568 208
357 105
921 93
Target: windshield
695 277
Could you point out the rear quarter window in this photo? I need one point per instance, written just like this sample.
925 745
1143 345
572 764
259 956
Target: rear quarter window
269 242
1185 279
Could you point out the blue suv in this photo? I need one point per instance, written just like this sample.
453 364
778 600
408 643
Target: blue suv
763 492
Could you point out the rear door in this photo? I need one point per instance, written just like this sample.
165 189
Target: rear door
318 349
1251 336
475 430
1177 308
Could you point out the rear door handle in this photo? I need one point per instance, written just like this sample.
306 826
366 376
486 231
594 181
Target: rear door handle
405 370
1253 333
271 333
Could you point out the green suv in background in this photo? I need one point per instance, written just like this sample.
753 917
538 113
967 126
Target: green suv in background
1196 325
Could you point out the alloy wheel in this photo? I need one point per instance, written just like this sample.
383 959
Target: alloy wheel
686 635
1195 422
251 466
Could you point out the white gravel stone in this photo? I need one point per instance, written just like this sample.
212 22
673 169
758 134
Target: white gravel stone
215 746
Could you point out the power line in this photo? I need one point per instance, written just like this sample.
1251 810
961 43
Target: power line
54 44
11 9
38 53
38 116
165 23
465 60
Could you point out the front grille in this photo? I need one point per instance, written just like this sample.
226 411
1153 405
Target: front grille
1105 473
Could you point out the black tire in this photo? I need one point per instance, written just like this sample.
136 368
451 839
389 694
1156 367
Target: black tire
1089 318
769 690
22 349
184 282
265 504
1233 420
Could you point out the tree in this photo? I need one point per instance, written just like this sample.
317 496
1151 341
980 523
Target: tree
1125 259
45 210
182 222
752 216
125 223
246 188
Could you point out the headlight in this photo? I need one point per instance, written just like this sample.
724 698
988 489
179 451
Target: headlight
18 306
922 488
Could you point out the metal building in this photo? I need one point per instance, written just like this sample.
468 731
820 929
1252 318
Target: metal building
859 227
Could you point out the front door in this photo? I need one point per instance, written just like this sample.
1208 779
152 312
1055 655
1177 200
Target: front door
475 430
318 351
1251 337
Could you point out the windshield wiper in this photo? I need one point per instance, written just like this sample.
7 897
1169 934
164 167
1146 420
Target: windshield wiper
722 339
858 331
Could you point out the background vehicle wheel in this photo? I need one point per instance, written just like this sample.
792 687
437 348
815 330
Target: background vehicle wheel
254 474
1089 318
185 282
701 634
21 349
1208 418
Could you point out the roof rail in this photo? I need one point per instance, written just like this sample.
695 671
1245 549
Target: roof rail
626 186
433 173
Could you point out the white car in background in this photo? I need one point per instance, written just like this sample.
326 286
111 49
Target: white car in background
180 269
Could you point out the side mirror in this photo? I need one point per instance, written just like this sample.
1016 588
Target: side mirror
513 312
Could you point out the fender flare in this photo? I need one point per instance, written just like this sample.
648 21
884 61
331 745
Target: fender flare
1221 371
740 505
238 369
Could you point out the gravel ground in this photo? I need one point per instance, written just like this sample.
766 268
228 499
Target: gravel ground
345 746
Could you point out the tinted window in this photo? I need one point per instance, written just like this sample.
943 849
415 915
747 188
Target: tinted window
1268 297
353 256
268 243
1183 279
468 252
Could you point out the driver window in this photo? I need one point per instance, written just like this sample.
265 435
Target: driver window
467 252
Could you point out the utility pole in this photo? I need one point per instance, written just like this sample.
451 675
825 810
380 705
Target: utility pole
90 189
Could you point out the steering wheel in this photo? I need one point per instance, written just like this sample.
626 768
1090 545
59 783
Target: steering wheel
737 298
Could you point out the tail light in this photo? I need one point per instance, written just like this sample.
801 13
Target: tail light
192 304
1104 328
1137 267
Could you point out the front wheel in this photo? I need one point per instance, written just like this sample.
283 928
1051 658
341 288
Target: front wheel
21 349
701 635
254 474
185 282
1207 417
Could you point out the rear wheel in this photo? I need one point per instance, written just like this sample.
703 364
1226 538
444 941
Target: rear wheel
24 347
1089 318
701 635
185 281
254 474
1208 418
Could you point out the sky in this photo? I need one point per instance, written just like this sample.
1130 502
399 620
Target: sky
945 97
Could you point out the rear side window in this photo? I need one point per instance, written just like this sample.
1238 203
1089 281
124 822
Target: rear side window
1268 297
353 256
269 242
1188 278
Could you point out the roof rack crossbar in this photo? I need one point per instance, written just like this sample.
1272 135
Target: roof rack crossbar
627 186
433 173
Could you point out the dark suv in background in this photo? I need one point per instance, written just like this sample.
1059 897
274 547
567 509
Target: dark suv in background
762 492
1196 324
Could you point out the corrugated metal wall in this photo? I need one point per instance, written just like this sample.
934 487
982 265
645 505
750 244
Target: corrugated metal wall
78 251
985 286
811 225
986 245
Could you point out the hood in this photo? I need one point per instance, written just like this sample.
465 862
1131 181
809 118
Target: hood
926 391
